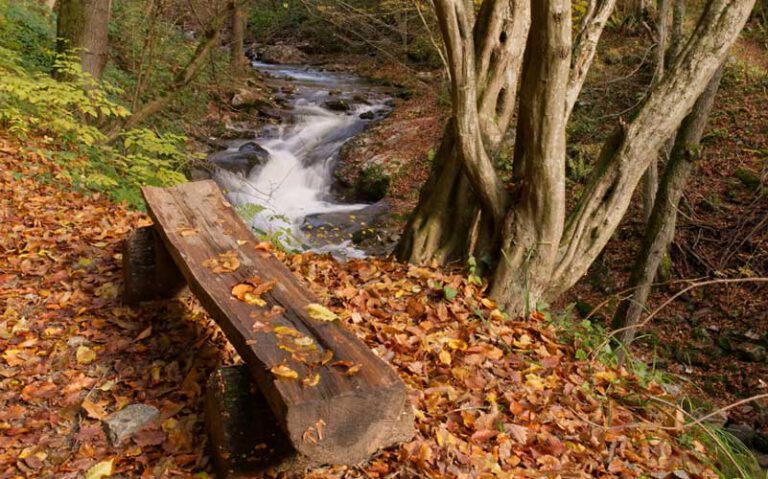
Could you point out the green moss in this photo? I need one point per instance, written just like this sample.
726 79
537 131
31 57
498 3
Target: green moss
373 184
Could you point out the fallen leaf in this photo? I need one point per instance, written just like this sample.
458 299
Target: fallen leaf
100 470
311 381
321 313
85 355
284 372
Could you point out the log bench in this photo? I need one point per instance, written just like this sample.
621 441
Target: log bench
335 402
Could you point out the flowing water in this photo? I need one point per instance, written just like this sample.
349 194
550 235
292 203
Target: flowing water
296 182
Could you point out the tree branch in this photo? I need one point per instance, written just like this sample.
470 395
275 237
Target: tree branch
624 157
584 50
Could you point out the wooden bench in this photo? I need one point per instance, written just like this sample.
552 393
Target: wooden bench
335 401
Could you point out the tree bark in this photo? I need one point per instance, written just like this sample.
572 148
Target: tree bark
624 157
661 227
83 25
534 225
238 61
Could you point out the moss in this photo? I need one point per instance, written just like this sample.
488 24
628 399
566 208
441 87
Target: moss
373 184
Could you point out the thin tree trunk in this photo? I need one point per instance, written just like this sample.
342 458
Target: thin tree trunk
585 47
678 31
651 177
209 40
237 51
84 25
661 227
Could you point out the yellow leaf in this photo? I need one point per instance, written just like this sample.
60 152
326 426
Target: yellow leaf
321 313
100 470
535 382
11 357
311 381
85 355
284 372
445 357
608 376
459 344
286 331
254 299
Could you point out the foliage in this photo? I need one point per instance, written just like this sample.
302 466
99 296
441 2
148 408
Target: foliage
148 53
27 26
66 113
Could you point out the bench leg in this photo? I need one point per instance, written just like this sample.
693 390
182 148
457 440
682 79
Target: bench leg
244 437
149 272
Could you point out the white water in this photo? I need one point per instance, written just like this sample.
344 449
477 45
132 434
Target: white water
297 179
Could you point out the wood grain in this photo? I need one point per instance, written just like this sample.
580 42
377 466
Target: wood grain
357 414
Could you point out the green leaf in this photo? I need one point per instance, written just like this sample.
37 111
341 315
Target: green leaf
449 293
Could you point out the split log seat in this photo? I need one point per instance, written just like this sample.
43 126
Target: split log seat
338 410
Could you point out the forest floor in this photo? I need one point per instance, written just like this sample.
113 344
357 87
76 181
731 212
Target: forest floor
713 339
493 397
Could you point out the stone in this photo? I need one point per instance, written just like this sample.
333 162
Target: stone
253 148
250 98
753 353
762 460
128 421
242 161
743 432
368 115
281 54
338 105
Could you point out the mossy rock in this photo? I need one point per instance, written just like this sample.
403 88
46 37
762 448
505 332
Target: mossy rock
373 184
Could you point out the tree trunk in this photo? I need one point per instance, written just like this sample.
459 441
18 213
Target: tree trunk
534 225
451 222
84 25
661 227
651 177
238 61
465 207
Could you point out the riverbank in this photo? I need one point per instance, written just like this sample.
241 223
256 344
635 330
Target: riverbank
493 397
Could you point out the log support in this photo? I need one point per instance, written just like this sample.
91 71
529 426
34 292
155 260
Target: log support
148 270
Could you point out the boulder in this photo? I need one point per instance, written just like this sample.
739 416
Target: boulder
281 54
242 161
338 105
253 148
128 421
250 98
368 115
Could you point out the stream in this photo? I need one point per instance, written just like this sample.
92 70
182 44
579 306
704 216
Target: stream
289 195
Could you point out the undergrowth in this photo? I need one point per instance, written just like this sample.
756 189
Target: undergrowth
49 104
725 454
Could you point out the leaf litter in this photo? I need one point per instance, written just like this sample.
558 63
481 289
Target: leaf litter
492 397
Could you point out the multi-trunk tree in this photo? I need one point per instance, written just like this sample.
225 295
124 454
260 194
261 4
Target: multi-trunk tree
518 56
